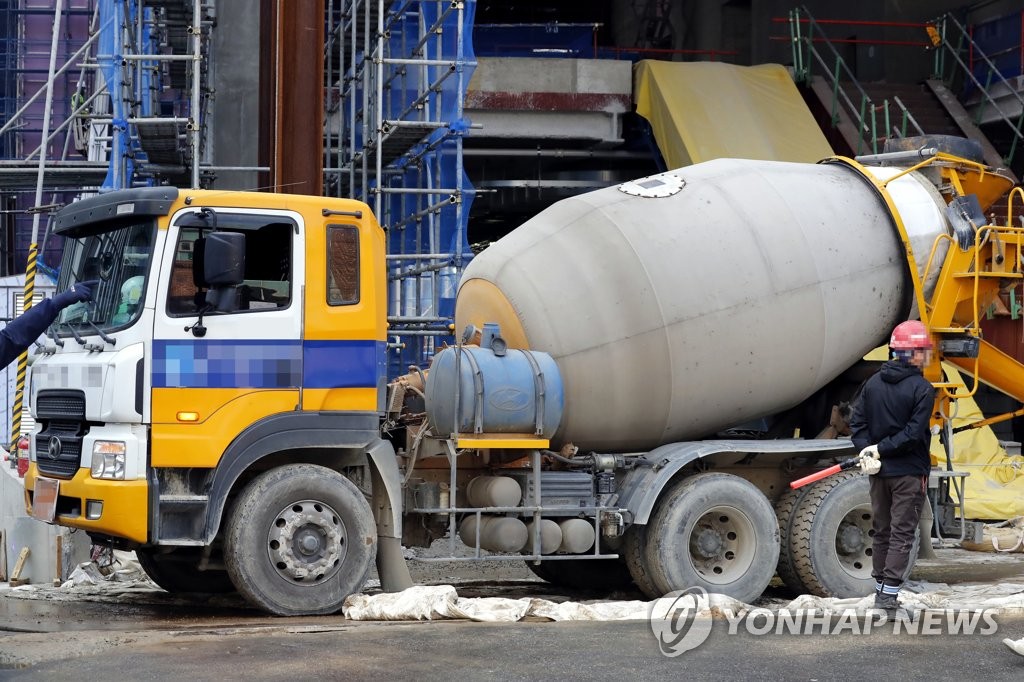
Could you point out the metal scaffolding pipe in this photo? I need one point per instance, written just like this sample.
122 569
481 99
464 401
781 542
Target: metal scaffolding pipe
197 33
421 62
416 190
417 256
155 57
82 107
144 120
31 100
58 4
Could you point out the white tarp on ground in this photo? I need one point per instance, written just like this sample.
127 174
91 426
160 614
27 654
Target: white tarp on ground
440 602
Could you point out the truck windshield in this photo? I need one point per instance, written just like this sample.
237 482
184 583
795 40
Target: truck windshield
120 260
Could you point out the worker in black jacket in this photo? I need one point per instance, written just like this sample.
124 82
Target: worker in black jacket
890 424
26 328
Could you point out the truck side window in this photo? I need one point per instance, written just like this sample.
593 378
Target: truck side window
342 265
268 271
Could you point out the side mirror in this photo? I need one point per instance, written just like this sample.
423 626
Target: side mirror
224 268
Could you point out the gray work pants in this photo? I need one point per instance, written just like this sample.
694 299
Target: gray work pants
896 505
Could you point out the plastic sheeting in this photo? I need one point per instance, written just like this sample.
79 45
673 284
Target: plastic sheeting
442 602
709 110
995 488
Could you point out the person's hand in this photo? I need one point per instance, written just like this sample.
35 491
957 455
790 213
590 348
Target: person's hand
76 293
870 463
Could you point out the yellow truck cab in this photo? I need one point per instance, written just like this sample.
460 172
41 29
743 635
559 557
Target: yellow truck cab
231 333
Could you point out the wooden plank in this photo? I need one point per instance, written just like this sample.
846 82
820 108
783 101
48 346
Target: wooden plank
59 568
16 573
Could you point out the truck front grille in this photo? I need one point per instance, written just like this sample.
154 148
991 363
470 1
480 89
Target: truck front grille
58 447
60 404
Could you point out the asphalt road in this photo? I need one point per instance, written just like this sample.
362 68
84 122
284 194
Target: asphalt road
335 649
155 636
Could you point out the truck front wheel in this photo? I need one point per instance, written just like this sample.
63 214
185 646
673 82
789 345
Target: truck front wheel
715 531
299 540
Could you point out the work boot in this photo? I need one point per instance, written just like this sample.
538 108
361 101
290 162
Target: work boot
887 602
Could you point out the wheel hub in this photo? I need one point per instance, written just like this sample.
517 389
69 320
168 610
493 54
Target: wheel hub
850 539
306 542
853 542
708 543
722 544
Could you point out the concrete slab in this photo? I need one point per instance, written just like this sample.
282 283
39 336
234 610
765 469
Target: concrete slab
551 99
41 566
565 76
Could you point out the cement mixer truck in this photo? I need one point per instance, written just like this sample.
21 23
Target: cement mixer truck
640 372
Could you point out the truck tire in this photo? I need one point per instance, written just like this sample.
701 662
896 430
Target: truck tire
830 537
714 531
785 511
299 540
601 575
634 551
177 572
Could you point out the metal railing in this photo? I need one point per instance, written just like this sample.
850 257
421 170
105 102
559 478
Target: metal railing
805 32
946 29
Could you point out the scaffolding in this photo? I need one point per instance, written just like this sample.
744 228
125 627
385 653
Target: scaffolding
117 84
153 64
129 92
397 73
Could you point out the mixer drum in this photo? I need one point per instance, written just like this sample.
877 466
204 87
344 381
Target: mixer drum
698 299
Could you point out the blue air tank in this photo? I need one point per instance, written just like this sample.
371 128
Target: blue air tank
473 389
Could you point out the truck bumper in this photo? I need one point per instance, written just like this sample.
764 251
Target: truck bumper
122 506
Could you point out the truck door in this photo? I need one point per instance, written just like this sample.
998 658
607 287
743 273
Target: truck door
210 384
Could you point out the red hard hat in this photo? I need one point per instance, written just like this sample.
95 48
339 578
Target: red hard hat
910 335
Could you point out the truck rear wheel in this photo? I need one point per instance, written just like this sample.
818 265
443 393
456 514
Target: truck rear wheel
830 537
785 511
715 531
177 571
584 574
634 550
300 539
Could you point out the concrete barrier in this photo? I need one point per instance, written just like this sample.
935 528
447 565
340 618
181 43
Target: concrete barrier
20 530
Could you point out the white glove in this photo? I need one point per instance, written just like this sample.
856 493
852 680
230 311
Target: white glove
869 460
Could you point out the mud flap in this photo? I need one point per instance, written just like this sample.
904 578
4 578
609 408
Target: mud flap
387 513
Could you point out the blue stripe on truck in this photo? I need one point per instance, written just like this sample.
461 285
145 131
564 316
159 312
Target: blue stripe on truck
251 363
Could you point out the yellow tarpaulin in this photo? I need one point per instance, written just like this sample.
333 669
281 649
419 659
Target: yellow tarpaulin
709 110
995 488
994 491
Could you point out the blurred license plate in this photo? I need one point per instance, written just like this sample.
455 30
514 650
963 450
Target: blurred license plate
44 499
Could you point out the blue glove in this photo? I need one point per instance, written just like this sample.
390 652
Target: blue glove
82 291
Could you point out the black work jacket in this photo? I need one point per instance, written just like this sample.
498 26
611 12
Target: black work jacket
24 329
892 412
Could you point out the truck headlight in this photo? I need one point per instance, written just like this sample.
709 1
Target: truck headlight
108 459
